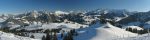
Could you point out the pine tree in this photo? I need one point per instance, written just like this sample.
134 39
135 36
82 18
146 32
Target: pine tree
43 38
129 29
62 35
48 36
135 30
55 36
32 36
69 36
47 31
65 37
72 32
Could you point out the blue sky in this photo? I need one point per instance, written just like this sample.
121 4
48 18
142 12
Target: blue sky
20 6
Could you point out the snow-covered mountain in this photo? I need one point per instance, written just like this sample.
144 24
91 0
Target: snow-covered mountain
111 14
100 24
138 19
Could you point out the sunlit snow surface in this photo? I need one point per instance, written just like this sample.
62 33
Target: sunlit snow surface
64 26
9 36
108 32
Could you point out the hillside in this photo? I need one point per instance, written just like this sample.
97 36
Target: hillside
9 36
105 32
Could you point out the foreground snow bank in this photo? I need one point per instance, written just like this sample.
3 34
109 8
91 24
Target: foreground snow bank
140 37
104 32
9 36
110 32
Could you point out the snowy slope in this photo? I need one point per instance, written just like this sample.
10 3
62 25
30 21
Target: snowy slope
140 37
2 20
9 36
105 32
111 32
54 26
